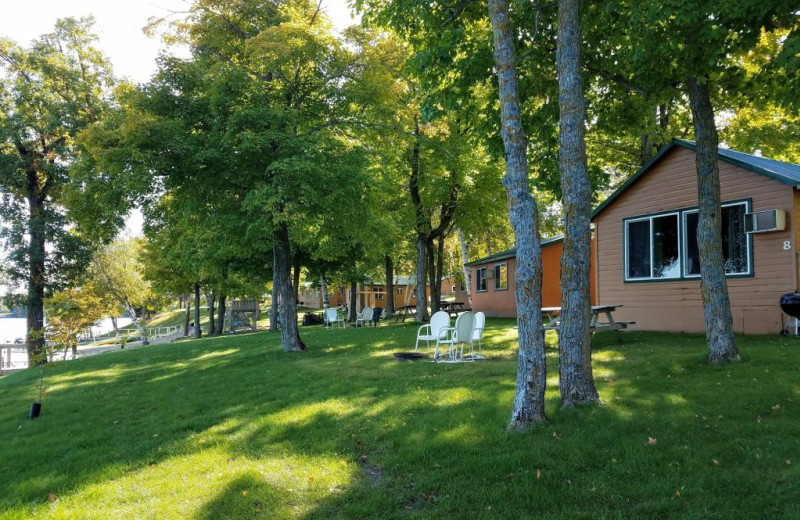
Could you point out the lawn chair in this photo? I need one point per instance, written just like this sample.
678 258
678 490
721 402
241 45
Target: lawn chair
365 318
477 335
457 336
433 330
332 316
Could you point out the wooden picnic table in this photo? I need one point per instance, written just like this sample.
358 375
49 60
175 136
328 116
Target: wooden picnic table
453 308
595 324
401 313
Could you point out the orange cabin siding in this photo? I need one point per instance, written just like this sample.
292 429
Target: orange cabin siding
676 305
502 303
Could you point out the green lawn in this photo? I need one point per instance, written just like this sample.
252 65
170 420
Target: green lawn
234 428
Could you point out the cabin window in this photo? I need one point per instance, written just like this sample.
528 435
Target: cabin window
501 277
378 295
480 279
664 246
652 248
735 242
399 290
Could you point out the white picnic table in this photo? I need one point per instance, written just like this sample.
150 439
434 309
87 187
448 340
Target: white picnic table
602 319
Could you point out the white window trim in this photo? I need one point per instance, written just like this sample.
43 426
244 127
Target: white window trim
478 279
684 248
650 234
497 278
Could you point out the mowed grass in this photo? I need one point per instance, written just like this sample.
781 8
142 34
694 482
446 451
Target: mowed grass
233 427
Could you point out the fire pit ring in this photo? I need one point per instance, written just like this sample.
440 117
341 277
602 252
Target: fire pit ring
408 356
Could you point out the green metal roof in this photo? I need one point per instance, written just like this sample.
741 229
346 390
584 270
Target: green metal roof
780 171
511 253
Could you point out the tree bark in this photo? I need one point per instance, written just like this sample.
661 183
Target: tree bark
464 245
323 287
186 318
422 270
273 309
296 279
574 340
114 324
37 222
389 311
351 311
528 405
221 309
211 301
197 332
290 335
713 286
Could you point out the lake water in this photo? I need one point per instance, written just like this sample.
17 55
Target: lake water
13 328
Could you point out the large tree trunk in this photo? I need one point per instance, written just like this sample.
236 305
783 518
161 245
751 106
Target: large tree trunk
713 287
36 273
574 341
528 406
323 287
114 324
464 245
211 301
389 311
197 332
221 309
290 335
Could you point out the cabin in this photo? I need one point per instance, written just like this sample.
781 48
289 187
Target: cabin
493 279
646 247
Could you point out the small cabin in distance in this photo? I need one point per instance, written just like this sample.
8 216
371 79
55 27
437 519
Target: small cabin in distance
493 279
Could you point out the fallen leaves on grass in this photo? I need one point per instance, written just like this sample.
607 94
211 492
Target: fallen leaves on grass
51 497
651 441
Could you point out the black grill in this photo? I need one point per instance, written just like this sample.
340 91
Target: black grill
790 304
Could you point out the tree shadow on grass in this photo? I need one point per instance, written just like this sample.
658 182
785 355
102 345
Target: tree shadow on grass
246 496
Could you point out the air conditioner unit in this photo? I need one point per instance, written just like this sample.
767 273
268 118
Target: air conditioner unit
490 273
763 221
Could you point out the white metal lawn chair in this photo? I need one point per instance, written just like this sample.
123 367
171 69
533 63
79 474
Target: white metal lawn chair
365 318
432 331
477 335
332 317
454 337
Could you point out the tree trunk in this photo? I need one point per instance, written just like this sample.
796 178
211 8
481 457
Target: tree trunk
713 286
351 311
290 335
36 273
296 280
464 245
197 332
273 309
136 323
186 318
422 272
528 406
574 340
389 311
211 300
221 309
114 324
433 293
323 287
